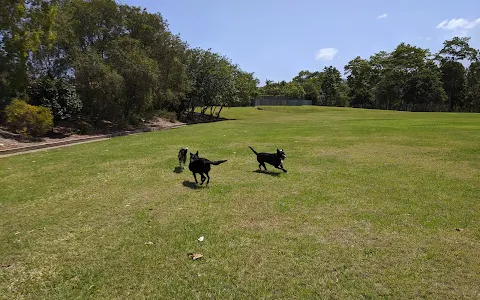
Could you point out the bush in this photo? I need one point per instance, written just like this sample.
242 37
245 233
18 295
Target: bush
57 94
167 115
27 119
85 128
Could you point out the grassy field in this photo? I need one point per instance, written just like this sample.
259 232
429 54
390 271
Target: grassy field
376 204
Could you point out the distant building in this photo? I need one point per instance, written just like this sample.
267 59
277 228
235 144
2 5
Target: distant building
279 101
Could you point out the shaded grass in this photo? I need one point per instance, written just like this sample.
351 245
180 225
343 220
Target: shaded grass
368 209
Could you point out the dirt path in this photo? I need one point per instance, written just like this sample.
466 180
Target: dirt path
10 146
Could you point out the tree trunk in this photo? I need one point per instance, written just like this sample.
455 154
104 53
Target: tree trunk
192 107
450 108
218 114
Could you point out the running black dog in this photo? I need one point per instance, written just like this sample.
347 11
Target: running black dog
201 166
274 159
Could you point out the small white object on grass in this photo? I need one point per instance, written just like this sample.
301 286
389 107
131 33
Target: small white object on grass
200 239
194 256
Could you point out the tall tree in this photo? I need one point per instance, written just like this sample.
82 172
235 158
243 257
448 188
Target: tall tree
453 75
311 83
453 52
331 88
212 79
458 49
406 60
473 87
424 90
23 27
245 85
359 80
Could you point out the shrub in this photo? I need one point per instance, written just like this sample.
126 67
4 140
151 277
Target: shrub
28 119
85 128
167 115
57 94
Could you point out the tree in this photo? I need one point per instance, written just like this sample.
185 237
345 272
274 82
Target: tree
24 25
454 51
453 75
360 80
331 90
424 91
304 76
271 89
405 61
311 83
212 79
458 49
101 88
134 49
57 94
473 98
293 90
473 87
245 85
312 91
390 73
381 86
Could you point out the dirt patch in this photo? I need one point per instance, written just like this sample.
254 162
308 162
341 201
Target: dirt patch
63 134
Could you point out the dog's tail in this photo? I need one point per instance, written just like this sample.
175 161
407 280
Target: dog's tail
253 150
215 163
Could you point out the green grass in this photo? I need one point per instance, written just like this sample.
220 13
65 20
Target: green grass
369 209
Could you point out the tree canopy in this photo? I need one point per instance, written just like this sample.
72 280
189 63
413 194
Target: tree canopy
121 62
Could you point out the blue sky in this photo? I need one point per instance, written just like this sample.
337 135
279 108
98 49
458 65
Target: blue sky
277 39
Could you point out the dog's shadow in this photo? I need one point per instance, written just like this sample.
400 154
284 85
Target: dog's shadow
274 174
192 185
178 170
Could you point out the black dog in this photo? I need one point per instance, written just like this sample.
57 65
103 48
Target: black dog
182 157
274 159
201 166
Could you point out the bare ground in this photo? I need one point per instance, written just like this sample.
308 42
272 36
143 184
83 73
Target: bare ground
10 140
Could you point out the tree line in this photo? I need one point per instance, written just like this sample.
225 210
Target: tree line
408 78
100 60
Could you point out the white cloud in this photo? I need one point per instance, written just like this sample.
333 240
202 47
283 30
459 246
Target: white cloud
382 16
326 54
458 24
428 38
